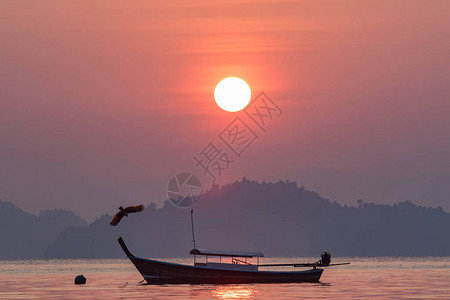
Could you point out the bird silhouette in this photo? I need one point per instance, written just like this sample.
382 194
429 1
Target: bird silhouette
124 212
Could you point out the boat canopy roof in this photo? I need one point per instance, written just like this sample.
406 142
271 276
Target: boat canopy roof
225 253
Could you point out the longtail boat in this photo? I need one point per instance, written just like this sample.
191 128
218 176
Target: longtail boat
234 269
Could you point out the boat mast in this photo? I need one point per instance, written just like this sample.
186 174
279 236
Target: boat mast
192 227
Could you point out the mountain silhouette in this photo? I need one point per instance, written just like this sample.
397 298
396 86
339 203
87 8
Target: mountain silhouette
428 189
279 219
25 236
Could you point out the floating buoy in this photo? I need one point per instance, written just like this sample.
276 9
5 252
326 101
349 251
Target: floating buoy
80 279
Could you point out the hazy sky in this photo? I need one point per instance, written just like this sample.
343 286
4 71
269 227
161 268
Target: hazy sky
102 102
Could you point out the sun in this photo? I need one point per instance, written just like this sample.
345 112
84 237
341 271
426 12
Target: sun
232 94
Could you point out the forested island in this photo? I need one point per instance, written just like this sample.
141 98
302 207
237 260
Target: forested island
279 219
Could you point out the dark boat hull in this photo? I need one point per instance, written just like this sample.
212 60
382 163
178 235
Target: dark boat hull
158 272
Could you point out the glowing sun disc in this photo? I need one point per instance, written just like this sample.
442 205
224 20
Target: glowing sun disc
232 94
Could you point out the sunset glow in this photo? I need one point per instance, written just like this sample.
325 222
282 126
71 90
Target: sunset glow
232 94
309 140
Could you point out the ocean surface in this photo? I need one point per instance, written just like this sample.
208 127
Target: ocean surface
364 278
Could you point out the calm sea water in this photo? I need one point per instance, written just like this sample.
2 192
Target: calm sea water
365 278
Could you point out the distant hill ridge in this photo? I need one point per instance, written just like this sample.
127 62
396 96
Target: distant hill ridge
24 236
279 219
428 189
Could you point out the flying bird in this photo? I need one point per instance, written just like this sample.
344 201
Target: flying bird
124 212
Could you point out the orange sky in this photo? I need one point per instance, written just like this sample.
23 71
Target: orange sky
101 102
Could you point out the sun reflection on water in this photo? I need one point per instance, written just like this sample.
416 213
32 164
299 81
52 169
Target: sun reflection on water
234 292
